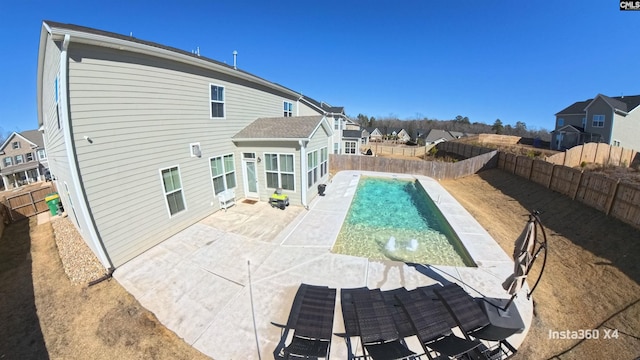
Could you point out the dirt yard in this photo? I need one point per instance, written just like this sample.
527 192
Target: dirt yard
591 280
591 283
42 315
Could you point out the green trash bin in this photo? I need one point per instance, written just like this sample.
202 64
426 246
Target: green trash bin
52 201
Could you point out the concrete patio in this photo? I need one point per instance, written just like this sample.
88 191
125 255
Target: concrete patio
199 282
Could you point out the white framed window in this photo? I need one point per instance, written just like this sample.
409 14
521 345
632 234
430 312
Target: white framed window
312 168
350 147
336 124
598 121
288 109
19 159
223 173
216 95
194 150
279 170
56 88
172 186
56 92
584 122
15 145
324 161
560 122
42 155
8 161
29 156
336 149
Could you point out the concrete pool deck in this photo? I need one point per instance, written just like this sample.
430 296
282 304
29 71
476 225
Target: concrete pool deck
198 282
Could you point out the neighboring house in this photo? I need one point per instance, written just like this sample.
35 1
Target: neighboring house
398 134
24 159
374 134
611 120
436 136
167 137
340 121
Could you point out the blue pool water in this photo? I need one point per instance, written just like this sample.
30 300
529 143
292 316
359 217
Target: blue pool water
393 219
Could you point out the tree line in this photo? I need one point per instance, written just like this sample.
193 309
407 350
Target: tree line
459 124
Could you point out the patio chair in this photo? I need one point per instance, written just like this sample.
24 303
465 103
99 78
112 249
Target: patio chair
403 323
351 328
377 327
433 325
474 320
311 319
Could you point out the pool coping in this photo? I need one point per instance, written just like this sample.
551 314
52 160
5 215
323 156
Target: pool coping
210 285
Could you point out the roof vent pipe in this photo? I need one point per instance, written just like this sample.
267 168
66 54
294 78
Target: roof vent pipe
235 59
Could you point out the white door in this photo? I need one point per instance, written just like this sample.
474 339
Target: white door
250 178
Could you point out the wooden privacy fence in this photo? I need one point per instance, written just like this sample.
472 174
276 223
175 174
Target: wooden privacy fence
28 203
416 151
618 199
435 169
597 153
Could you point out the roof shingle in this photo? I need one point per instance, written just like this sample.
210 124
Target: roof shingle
280 128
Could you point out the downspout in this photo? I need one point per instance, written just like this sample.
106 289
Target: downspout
83 205
303 167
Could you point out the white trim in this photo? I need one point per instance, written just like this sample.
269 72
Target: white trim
6 142
223 102
284 112
355 147
106 41
303 165
279 172
224 173
320 162
593 120
71 155
38 154
195 150
165 193
316 168
245 176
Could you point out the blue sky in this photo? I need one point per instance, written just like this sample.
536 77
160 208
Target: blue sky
516 61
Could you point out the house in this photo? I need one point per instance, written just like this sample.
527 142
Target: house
167 138
611 120
374 134
398 134
436 136
343 139
24 159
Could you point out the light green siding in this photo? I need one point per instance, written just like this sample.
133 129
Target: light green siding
133 115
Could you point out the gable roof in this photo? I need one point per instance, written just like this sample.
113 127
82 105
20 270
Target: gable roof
27 136
620 103
281 128
437 134
571 128
34 136
576 108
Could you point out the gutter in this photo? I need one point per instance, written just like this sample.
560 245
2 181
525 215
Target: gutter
83 205
303 166
82 37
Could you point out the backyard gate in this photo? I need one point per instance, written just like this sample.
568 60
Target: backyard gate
28 203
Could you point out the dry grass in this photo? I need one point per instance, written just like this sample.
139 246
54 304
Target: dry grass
592 274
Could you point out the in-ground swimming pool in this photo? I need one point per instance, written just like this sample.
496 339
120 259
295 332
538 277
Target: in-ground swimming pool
395 219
